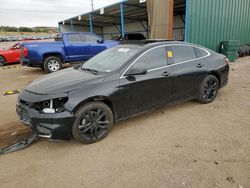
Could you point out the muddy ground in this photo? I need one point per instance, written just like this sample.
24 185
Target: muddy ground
188 145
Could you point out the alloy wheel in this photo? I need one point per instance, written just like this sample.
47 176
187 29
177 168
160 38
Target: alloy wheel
53 65
94 124
210 89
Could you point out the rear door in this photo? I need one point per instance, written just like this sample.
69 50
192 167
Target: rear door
144 92
75 47
94 44
189 71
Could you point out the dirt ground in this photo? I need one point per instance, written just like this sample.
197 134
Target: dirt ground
188 145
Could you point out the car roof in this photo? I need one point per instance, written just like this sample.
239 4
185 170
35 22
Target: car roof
145 44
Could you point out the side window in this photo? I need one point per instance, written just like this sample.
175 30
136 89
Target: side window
183 53
200 52
152 59
90 38
74 37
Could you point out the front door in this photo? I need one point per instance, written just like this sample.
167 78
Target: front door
14 53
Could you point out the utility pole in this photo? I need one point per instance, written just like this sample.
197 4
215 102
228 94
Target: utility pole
92 5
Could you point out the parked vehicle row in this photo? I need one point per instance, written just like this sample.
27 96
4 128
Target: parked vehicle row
120 82
23 38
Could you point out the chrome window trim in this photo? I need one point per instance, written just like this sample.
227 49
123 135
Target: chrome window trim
208 54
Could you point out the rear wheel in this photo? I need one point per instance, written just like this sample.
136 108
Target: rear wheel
52 64
208 89
93 122
2 61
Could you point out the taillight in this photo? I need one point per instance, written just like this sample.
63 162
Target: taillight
25 52
226 61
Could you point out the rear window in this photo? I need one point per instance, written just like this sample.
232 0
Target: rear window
200 52
74 37
183 53
90 38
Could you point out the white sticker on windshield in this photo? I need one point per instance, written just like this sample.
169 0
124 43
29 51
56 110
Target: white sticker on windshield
123 50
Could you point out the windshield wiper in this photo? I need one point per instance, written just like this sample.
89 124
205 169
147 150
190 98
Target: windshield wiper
91 70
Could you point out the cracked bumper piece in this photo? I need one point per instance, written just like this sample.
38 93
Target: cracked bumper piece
20 145
55 126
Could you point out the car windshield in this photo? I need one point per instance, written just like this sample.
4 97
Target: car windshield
110 59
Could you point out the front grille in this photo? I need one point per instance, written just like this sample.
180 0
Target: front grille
24 116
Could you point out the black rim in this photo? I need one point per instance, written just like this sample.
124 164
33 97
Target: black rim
94 124
210 89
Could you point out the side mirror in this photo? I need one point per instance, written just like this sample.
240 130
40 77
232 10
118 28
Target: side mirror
100 41
136 71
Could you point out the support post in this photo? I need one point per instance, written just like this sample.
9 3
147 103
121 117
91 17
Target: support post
171 20
71 25
90 23
122 20
59 27
186 22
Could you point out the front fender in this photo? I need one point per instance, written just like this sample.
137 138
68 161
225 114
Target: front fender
100 92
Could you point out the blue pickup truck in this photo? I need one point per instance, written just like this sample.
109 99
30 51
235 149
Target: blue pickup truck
68 48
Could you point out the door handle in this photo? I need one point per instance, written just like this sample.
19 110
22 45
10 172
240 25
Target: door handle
166 74
199 65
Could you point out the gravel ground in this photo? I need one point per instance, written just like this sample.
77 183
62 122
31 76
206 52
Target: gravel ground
188 145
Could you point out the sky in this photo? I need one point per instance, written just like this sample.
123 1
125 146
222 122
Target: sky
31 13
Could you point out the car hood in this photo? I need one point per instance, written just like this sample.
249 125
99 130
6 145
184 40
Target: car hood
63 81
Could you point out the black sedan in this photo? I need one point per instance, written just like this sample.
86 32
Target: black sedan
124 81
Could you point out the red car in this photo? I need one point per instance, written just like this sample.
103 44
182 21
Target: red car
11 55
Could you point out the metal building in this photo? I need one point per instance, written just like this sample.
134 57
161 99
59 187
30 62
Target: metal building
204 22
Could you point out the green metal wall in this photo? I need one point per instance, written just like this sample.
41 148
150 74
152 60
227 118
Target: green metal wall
212 21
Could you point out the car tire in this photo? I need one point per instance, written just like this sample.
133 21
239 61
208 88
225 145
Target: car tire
208 89
246 51
241 52
2 61
93 122
52 64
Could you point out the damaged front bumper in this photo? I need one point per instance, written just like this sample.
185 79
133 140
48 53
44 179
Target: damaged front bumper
56 126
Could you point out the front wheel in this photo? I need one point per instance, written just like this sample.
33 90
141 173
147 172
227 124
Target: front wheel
208 89
52 64
2 61
93 122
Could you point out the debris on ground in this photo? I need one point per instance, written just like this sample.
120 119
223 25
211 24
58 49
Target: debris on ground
20 145
240 186
230 179
12 134
216 162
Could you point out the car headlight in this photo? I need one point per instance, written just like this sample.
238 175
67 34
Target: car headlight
51 106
